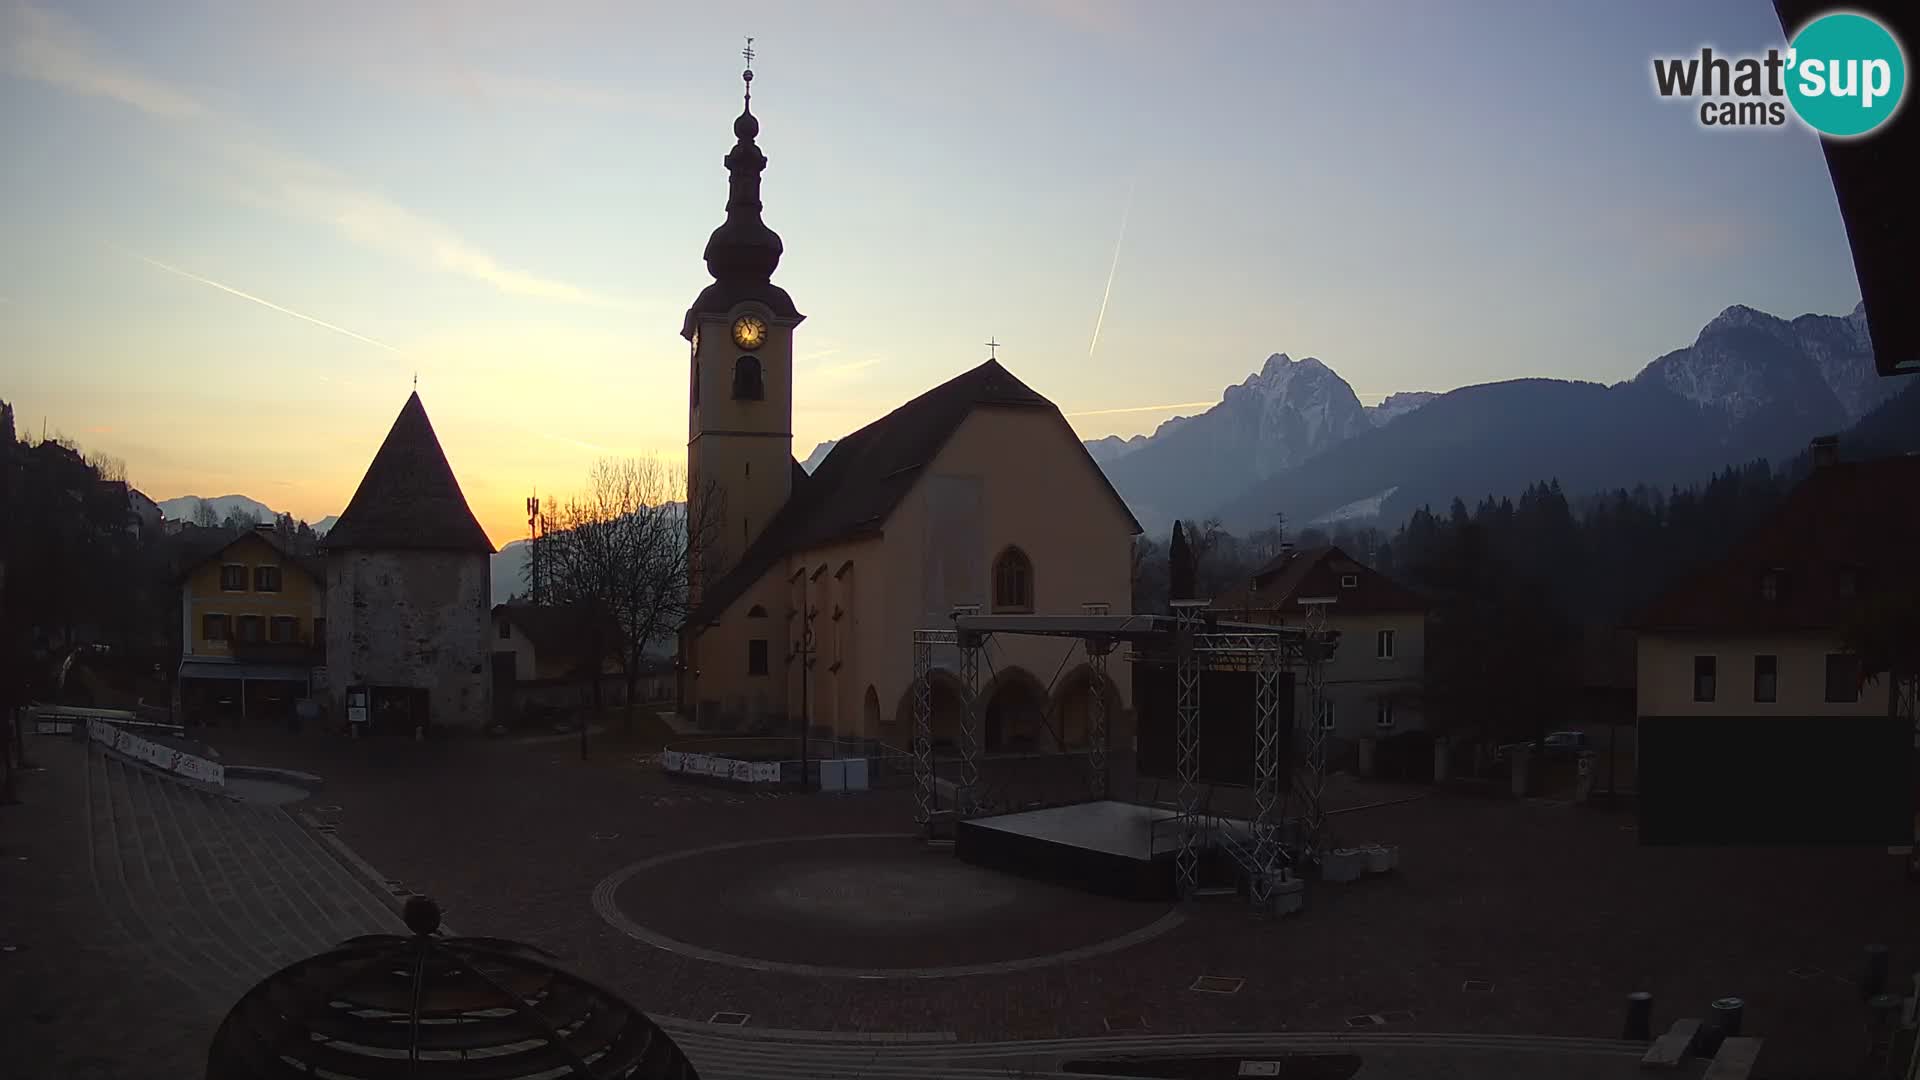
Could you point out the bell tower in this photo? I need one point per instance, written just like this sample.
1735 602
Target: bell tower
740 381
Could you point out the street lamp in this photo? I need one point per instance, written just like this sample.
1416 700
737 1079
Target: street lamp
803 651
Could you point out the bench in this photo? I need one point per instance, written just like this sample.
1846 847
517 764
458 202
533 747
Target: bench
1669 1050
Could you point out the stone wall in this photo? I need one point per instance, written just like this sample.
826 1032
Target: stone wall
413 618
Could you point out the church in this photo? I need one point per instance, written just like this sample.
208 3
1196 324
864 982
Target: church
976 496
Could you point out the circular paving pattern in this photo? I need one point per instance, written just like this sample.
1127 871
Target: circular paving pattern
863 906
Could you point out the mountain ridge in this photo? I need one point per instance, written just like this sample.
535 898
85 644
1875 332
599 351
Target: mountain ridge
1750 386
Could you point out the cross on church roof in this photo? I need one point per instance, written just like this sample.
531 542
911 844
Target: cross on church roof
747 75
993 350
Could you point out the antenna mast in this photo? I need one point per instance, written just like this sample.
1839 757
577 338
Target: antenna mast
535 584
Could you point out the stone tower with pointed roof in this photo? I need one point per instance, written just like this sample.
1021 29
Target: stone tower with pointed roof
409 596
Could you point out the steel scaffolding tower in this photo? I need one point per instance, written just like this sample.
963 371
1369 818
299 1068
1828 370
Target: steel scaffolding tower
1194 644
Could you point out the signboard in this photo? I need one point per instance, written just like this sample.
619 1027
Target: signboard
126 743
720 768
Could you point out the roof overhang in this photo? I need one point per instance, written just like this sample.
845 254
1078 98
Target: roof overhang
225 669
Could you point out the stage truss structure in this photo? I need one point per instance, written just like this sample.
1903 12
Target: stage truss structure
1197 643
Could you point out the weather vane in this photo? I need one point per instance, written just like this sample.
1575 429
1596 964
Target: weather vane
416 380
993 347
748 74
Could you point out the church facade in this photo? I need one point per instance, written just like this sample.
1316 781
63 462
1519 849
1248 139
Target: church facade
977 495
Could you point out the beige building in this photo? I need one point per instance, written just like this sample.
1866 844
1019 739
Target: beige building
1374 682
1759 633
976 494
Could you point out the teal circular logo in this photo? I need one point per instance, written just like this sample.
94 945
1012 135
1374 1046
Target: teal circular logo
1845 74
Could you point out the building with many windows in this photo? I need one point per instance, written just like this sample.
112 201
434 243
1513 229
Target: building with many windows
252 626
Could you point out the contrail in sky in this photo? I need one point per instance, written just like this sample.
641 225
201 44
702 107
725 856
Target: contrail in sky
1125 212
1147 408
375 342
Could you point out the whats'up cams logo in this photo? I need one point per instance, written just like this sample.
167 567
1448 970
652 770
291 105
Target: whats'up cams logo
1843 75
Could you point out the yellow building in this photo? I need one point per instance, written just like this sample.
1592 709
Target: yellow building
253 626
975 495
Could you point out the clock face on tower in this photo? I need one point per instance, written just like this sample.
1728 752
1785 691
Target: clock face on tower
749 331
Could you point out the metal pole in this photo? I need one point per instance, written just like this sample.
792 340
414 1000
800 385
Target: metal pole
923 788
1186 677
806 700
969 721
1310 780
1266 772
1097 758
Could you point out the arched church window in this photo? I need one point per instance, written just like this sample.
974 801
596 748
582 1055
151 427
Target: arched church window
747 385
756 612
1013 581
696 383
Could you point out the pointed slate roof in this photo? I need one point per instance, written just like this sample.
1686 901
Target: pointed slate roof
866 474
409 499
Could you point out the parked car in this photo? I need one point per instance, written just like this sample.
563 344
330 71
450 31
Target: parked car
1566 742
1558 742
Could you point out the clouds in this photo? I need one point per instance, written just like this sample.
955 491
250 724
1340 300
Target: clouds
265 303
1146 408
46 47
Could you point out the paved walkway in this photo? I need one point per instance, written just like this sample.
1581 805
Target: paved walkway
778 1056
140 908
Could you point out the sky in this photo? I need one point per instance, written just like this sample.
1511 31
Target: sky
233 233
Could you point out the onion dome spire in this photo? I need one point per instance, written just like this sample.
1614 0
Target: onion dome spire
743 249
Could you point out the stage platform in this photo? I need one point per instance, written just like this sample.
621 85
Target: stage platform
1112 848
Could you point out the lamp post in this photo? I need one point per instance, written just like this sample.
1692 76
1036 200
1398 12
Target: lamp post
803 651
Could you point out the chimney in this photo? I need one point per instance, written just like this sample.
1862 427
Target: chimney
1826 451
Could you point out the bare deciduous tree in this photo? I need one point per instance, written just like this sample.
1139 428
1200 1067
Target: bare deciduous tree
108 467
623 550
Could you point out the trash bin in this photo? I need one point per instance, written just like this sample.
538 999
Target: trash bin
1722 1023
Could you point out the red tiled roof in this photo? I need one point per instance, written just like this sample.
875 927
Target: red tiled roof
1317 573
1848 520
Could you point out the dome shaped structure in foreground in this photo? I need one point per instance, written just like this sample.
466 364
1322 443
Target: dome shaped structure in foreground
396 1007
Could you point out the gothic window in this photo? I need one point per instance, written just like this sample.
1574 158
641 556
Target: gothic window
1013 581
696 384
747 384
